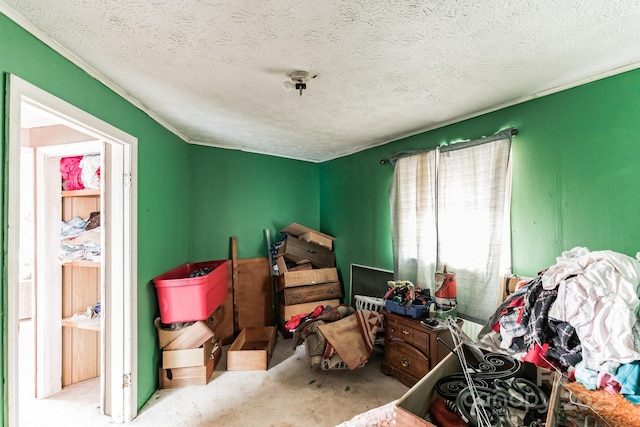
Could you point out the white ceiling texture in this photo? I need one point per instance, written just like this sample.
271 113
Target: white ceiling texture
212 71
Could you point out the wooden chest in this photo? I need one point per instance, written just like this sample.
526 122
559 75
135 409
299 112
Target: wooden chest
308 293
299 251
410 349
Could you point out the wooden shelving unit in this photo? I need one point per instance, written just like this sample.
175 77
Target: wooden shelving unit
80 289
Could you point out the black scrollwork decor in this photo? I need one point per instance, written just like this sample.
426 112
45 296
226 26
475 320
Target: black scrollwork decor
496 401
498 391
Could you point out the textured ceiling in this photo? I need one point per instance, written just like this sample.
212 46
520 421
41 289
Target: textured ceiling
213 71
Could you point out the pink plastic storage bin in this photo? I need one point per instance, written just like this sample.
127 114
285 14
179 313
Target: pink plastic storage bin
186 299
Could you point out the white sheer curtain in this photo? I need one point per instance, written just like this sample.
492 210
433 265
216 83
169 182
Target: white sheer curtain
413 218
450 206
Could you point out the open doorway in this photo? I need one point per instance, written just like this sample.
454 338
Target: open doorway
117 361
71 265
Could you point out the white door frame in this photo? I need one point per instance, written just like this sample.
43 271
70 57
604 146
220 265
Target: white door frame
120 149
47 326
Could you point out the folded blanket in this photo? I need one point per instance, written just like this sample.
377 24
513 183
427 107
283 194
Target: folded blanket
352 338
312 338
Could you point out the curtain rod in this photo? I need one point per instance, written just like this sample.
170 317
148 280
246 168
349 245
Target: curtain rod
509 131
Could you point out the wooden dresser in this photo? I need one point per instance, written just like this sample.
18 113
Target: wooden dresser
410 349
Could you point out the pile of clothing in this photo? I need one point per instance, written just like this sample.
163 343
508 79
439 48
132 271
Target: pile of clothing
80 172
581 316
81 239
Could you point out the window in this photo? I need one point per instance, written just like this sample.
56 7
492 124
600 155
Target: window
450 207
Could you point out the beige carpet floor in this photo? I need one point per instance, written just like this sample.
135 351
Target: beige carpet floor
289 393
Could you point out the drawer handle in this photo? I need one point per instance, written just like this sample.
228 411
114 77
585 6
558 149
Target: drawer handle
295 296
406 332
332 290
311 251
404 362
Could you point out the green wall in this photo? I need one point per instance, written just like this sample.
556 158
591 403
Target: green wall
354 208
191 199
575 179
233 193
162 180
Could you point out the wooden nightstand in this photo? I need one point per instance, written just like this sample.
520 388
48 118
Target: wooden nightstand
410 349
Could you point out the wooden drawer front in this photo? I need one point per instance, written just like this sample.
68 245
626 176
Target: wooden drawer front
417 338
300 294
288 311
299 251
308 277
406 360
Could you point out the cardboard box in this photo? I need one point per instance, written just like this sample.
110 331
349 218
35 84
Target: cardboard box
252 349
188 357
192 336
416 402
191 376
307 277
288 311
309 235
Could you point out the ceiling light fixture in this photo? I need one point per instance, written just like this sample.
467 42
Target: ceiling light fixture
298 81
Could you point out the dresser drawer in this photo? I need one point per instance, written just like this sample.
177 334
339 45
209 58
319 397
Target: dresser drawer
407 362
415 337
301 294
299 251
410 349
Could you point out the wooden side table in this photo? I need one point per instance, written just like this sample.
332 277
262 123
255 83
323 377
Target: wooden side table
410 349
